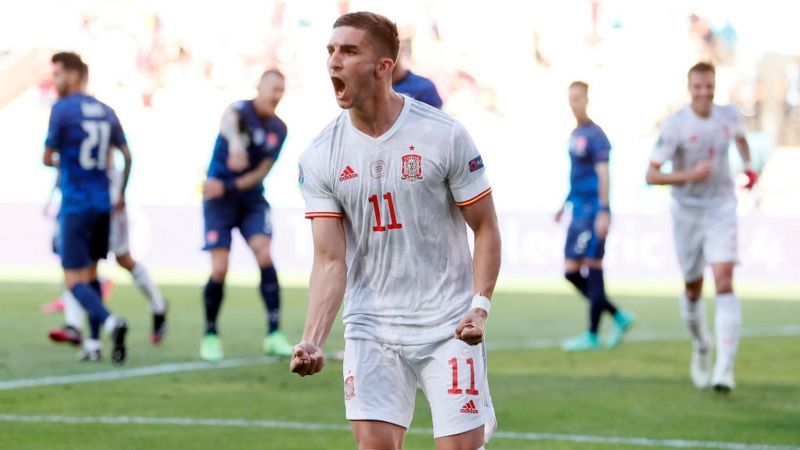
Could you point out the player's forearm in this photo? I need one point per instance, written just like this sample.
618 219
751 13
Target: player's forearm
657 177
603 184
486 257
126 171
326 292
251 179
49 159
744 151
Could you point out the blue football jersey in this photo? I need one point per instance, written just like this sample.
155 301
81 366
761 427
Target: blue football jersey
418 88
588 145
263 137
83 130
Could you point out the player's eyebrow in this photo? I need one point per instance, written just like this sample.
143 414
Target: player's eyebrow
342 47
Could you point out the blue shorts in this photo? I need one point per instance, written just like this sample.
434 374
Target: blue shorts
84 238
582 240
248 212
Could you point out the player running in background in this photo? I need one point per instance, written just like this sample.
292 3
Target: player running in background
120 247
80 137
591 216
696 140
404 81
390 186
249 142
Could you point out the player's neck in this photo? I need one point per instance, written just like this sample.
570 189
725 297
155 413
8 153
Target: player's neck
378 113
700 112
583 120
263 110
399 74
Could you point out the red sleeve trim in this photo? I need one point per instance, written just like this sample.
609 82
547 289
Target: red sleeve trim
323 214
474 199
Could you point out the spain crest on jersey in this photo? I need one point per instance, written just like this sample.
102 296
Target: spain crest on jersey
412 168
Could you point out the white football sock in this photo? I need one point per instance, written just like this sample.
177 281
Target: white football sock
73 312
694 314
91 345
109 324
728 322
142 279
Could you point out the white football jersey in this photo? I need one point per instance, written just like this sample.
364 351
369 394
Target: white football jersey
409 268
687 138
114 184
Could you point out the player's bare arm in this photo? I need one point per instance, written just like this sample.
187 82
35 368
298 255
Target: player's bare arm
229 129
215 188
482 219
744 151
254 177
126 172
603 219
325 294
50 157
700 172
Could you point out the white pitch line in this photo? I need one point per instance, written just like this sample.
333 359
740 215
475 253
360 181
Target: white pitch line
307 426
132 373
785 330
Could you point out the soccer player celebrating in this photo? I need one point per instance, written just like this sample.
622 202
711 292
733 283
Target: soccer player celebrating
696 139
390 185
591 215
81 133
249 142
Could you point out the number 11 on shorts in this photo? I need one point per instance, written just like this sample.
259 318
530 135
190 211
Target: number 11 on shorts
455 390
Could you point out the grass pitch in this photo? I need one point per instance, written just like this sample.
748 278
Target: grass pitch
562 401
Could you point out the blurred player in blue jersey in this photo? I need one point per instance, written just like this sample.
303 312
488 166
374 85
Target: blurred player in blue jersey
80 138
120 247
249 142
591 215
404 81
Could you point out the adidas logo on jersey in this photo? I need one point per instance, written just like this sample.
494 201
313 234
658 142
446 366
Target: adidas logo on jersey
469 408
348 174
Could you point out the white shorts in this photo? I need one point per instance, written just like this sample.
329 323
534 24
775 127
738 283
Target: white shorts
118 234
704 235
380 383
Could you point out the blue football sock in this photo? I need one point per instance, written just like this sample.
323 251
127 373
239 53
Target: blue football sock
95 284
92 303
212 298
271 294
579 281
597 296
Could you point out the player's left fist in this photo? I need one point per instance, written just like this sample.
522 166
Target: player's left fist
213 188
307 359
752 177
470 328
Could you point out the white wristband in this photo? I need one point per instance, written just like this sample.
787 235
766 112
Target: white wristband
479 301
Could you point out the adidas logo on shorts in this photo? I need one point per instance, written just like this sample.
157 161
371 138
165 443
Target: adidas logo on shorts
469 408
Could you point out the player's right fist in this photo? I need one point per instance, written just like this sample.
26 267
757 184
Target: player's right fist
213 188
307 359
701 171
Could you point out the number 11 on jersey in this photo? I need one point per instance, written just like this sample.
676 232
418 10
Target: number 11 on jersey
376 208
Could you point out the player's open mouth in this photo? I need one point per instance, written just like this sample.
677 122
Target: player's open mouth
339 87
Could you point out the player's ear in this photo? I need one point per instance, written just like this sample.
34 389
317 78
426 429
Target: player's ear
384 67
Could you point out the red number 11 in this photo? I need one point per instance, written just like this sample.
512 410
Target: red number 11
455 389
376 207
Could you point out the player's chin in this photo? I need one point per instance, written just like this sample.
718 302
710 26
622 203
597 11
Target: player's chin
344 103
